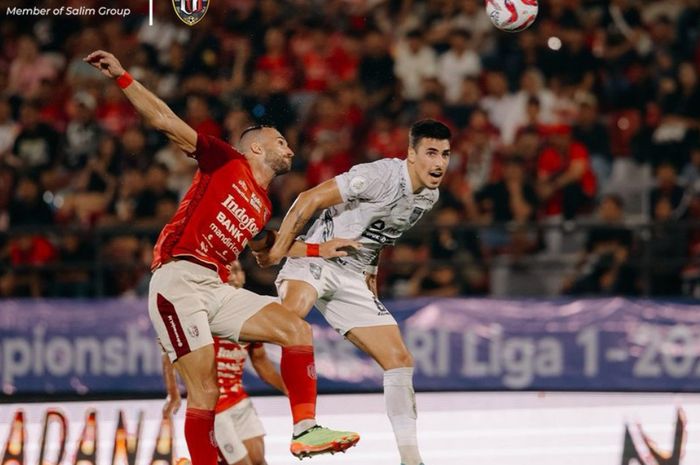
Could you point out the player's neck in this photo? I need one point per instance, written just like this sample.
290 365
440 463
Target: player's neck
262 174
416 184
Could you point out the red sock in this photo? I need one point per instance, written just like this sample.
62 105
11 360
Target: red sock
199 434
299 375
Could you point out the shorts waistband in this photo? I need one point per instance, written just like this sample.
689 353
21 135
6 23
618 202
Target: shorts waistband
196 261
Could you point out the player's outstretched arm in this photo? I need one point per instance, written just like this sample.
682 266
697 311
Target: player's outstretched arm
306 204
153 110
332 248
172 401
265 369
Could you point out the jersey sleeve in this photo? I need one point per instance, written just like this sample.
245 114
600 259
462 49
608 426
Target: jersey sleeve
212 152
365 182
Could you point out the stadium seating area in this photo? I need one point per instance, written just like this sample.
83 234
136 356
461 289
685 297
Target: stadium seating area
576 148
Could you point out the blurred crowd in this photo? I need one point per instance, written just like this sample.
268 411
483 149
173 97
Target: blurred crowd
590 119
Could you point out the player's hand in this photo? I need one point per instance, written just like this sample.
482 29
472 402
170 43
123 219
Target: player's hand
106 63
337 248
371 280
172 405
266 259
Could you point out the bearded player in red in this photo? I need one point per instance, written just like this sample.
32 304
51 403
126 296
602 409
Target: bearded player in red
189 300
238 429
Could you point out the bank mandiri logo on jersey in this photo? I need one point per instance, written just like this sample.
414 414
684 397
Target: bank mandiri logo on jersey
190 12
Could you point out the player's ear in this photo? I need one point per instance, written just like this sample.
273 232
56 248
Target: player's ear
411 157
256 148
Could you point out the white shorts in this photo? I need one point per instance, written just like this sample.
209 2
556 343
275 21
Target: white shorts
344 299
188 303
233 426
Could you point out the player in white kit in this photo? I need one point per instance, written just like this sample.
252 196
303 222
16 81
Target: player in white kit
373 203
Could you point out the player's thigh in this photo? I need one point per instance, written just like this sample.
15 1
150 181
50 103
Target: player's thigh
301 282
277 325
297 296
234 308
384 344
228 438
353 305
178 307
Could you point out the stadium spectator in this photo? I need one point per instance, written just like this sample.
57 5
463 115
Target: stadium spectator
459 62
566 183
512 200
8 128
604 266
28 69
82 136
415 61
28 207
668 240
376 69
591 132
37 145
667 188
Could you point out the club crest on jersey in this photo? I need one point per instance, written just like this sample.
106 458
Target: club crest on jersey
415 215
190 12
315 270
193 331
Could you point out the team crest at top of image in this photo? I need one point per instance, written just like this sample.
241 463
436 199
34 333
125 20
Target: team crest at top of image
190 12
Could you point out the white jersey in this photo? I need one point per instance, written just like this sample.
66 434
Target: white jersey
378 207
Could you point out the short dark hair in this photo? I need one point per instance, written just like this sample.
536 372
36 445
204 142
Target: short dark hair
427 129
256 127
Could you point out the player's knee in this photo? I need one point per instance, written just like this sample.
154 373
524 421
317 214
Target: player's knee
401 359
297 332
256 457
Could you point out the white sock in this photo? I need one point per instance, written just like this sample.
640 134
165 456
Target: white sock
401 409
302 426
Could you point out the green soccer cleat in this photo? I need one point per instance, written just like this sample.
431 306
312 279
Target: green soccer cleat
319 440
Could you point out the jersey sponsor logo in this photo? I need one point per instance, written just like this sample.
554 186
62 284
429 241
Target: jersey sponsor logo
358 184
376 233
234 353
228 366
190 12
382 309
255 202
377 237
240 213
240 192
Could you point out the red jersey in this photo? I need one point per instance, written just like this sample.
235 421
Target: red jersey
551 162
223 208
230 358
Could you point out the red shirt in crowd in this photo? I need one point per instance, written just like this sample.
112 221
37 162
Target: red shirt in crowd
230 358
223 208
280 70
551 163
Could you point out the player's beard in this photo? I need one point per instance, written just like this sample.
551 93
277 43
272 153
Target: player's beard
279 163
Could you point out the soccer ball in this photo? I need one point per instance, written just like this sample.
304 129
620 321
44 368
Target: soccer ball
512 15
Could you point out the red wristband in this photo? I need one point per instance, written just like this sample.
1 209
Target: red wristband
312 250
124 80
